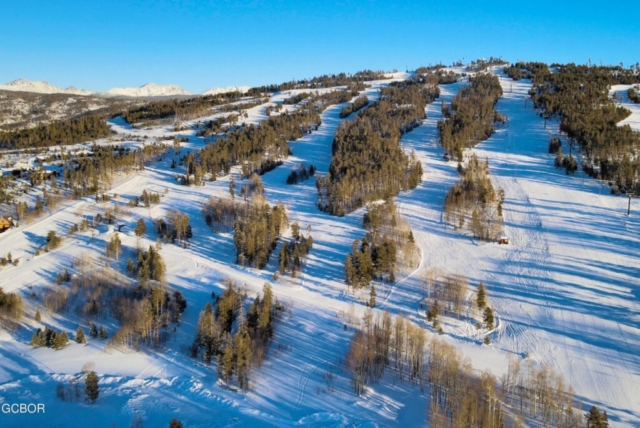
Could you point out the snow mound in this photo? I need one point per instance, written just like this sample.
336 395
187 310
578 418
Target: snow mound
148 90
215 91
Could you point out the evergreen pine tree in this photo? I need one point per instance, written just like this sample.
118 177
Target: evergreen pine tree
226 362
93 331
130 266
61 340
264 319
349 270
38 317
253 315
243 356
488 318
284 259
372 297
141 227
36 339
91 387
481 299
103 334
42 337
80 337
49 337
295 230
596 419
433 311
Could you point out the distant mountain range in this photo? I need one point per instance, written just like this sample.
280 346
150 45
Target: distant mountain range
41 87
146 90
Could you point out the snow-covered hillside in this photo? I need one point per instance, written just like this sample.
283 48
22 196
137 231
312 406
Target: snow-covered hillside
566 290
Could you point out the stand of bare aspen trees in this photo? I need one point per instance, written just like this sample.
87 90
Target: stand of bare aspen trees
458 396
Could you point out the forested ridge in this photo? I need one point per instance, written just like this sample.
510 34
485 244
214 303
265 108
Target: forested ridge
72 131
253 145
182 109
471 116
368 162
579 95
324 81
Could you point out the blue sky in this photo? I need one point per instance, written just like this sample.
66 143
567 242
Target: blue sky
202 44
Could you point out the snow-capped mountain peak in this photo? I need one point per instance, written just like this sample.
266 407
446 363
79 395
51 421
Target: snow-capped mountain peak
215 91
41 87
148 90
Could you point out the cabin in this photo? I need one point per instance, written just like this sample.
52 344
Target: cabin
5 223
503 240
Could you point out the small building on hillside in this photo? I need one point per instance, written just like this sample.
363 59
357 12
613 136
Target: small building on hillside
5 223
503 240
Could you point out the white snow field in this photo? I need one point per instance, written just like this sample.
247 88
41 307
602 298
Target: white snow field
565 291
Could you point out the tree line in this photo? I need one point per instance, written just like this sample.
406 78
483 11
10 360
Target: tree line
261 148
295 99
301 173
214 126
436 75
69 131
579 95
324 81
359 103
526 70
384 343
368 162
459 397
483 64
266 143
177 108
471 116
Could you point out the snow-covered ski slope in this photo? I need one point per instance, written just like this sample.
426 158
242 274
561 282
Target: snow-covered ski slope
565 290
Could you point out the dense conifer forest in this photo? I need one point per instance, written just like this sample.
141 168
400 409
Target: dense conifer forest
258 146
324 81
579 95
368 162
179 109
471 116
357 105
70 131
